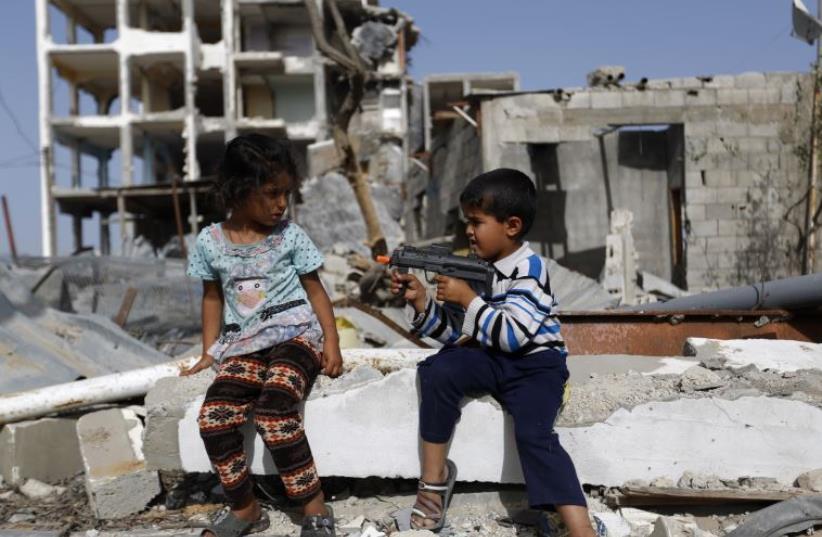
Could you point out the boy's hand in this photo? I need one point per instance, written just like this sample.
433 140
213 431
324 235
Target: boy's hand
204 362
454 290
332 359
414 289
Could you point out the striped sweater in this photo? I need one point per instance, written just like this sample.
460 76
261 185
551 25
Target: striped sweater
519 317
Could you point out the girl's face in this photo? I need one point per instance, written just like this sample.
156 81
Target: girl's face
267 205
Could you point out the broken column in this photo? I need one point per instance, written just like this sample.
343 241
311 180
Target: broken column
117 481
22 453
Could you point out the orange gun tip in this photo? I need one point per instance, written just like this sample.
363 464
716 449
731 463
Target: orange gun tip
383 259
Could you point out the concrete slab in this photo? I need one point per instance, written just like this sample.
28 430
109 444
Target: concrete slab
22 455
117 480
766 354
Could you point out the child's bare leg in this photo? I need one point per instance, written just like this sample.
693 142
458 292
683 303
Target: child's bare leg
433 471
576 519
315 506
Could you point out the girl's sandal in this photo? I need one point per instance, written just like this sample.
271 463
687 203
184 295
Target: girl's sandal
426 509
227 524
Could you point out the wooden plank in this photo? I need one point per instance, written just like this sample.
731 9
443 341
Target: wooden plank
125 307
661 496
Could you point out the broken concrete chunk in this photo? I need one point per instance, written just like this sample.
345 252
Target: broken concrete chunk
810 480
117 481
663 482
765 354
697 378
37 490
22 455
760 483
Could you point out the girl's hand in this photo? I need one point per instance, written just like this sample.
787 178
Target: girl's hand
414 290
454 290
205 362
332 359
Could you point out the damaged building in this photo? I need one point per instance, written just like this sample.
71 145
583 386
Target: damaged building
713 170
156 88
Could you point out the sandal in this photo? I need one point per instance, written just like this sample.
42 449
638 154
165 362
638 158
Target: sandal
319 525
227 524
426 509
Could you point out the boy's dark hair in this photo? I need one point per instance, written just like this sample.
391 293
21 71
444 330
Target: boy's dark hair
249 161
503 193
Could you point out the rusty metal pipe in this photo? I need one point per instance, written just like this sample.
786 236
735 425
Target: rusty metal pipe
799 292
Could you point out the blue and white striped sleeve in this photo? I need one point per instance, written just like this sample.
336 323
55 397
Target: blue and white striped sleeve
519 318
439 321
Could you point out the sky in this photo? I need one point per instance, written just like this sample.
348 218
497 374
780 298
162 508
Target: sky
551 44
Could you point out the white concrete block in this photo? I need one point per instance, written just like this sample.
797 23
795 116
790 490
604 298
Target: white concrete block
751 80
778 355
22 455
606 99
117 481
669 98
579 100
732 97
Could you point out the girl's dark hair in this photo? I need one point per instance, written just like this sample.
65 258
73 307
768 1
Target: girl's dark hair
249 161
503 193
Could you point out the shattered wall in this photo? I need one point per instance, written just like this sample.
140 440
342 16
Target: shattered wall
741 160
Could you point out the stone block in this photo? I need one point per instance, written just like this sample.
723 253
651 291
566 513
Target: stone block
606 99
669 98
117 481
25 452
751 80
810 480
732 97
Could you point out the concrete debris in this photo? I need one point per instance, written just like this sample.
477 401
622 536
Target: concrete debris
37 490
341 223
698 378
810 480
621 258
323 158
22 453
117 480
606 76
765 354
374 41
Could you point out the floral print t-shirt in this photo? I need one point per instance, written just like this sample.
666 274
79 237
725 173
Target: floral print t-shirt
264 302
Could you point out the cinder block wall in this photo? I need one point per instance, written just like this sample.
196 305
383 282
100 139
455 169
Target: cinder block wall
745 161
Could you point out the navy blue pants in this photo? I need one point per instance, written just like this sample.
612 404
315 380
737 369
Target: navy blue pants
529 388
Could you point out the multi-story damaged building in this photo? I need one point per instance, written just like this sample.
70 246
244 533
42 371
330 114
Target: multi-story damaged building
714 169
156 87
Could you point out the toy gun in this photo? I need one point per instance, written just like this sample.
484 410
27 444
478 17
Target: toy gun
439 259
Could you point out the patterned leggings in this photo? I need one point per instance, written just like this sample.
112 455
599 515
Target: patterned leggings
272 382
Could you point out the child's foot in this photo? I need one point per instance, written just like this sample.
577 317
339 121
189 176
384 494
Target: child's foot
319 525
432 501
234 523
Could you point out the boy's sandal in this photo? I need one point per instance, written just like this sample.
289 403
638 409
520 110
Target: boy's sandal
426 509
319 525
227 524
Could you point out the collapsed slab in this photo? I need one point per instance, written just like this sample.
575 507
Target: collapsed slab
617 427
117 481
23 454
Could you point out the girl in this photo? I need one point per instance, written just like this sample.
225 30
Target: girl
269 325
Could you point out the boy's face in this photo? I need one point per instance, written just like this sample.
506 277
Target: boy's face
489 238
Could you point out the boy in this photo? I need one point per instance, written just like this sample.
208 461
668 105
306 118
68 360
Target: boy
518 354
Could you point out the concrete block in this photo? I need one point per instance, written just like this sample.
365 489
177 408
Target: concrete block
700 128
719 178
669 98
720 82
580 99
700 195
745 178
789 93
117 481
752 145
733 228
719 211
731 128
687 82
637 99
781 356
751 80
721 244
606 99
696 211
35 489
23 452
771 129
323 157
704 228
810 480
765 96
700 97
731 194
575 133
732 97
